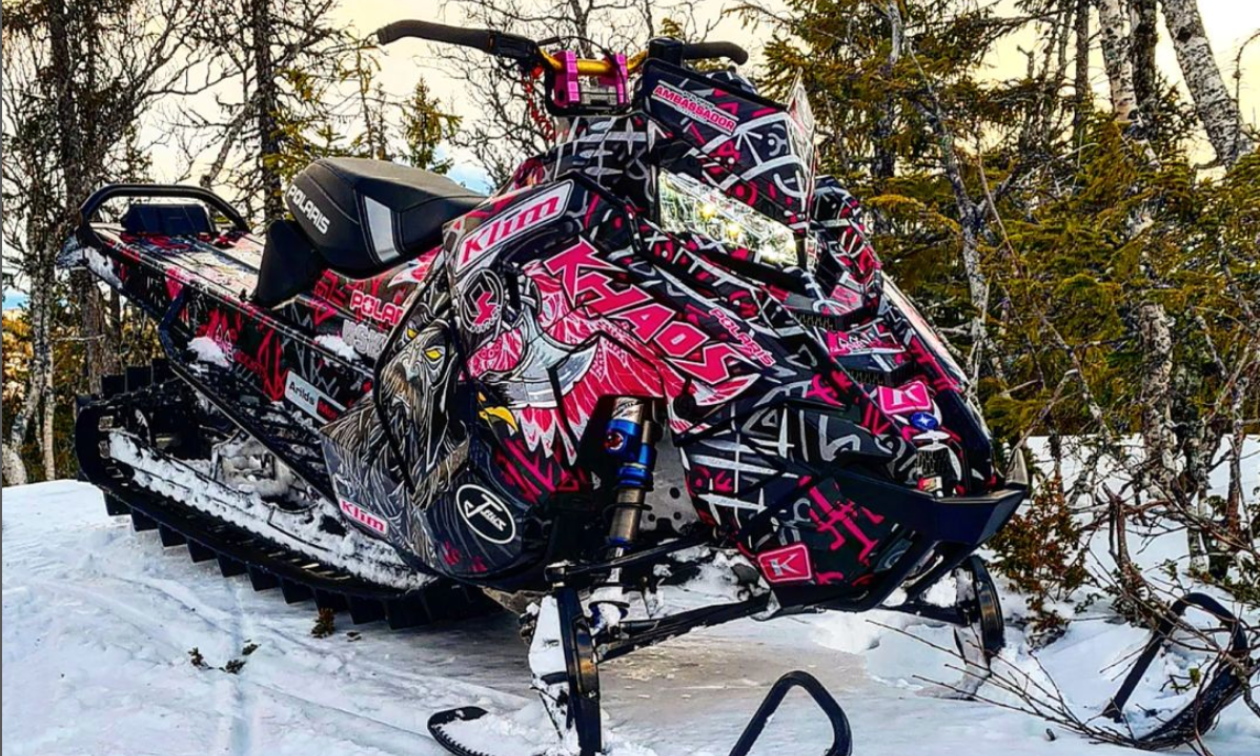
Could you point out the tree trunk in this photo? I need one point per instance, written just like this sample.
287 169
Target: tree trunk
47 437
885 153
1217 110
1144 24
101 355
268 106
1080 83
1157 437
12 471
1113 29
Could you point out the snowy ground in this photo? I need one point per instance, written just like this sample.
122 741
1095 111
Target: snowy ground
98 623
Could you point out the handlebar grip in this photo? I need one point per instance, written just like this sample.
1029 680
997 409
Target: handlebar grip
700 50
479 39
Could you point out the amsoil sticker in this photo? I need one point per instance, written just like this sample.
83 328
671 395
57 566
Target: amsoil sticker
364 518
695 107
485 514
314 402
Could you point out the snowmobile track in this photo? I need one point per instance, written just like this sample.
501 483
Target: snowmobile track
240 552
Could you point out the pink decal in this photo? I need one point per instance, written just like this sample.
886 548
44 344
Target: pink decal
680 339
486 308
367 519
827 517
647 321
746 343
874 420
695 107
576 258
912 397
371 308
175 279
499 355
580 270
513 223
789 564
416 270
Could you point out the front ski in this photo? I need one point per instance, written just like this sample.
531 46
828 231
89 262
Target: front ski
1233 670
463 732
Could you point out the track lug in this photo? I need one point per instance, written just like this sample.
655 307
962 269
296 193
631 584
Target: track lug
115 507
200 552
404 613
262 580
365 610
295 593
229 567
171 537
141 522
326 600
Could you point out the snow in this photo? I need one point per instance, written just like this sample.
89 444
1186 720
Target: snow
354 552
98 622
206 349
337 346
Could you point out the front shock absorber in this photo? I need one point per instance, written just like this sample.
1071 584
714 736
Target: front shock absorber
630 439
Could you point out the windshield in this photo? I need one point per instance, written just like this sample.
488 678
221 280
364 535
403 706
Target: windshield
801 118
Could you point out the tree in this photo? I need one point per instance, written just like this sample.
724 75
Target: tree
278 59
424 127
1217 110
903 112
299 89
78 76
511 123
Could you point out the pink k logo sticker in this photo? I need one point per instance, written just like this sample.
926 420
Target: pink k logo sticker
789 564
913 397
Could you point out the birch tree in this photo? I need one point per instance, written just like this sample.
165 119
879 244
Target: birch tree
1217 110
1113 29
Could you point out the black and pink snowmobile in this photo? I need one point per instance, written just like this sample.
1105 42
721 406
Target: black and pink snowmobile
664 341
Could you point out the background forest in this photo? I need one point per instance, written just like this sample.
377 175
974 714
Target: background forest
1092 256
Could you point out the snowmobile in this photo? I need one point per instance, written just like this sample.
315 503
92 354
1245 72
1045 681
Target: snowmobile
664 340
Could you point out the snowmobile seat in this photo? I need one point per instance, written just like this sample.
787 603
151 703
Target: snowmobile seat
365 216
358 217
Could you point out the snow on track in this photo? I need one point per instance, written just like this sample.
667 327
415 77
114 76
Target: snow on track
98 623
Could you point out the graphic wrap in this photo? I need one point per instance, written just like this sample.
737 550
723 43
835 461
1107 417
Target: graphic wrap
563 292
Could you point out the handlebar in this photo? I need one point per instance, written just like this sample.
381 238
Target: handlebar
525 50
703 50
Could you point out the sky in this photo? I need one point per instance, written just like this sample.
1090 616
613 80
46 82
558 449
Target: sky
1228 23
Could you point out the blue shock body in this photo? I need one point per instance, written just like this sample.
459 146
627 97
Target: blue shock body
626 441
629 441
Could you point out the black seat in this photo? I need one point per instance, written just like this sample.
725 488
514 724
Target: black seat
360 218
